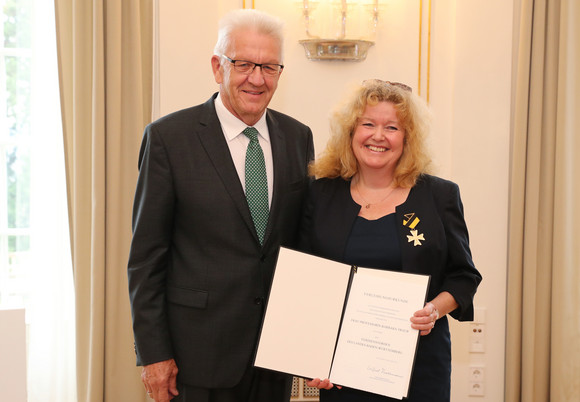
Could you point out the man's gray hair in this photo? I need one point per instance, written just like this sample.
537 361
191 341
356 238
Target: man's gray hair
248 19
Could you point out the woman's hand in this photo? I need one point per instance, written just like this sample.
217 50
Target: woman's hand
320 384
424 319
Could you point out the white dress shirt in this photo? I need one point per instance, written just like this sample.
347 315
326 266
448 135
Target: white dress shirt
238 143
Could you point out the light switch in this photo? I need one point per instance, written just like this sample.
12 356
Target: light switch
479 315
477 338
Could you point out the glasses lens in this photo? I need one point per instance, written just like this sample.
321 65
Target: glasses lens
270 69
247 67
244 66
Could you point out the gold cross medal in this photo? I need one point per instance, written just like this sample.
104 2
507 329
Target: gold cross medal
411 221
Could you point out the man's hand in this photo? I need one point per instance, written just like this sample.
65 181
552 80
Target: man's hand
160 380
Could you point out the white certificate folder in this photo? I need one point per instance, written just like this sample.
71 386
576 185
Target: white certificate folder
349 324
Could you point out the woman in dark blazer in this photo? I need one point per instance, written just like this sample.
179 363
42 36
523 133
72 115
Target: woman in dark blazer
374 205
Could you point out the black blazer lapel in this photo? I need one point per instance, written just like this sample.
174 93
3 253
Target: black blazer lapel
280 162
420 230
333 213
213 141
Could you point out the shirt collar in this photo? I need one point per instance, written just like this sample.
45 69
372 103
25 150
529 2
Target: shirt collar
232 126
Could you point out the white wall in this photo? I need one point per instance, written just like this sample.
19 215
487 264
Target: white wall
475 88
470 79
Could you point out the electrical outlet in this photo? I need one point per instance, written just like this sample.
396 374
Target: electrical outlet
476 388
476 373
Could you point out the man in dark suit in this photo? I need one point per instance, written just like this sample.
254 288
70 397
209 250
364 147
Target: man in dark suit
201 263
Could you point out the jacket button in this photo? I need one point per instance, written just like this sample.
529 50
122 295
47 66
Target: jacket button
258 301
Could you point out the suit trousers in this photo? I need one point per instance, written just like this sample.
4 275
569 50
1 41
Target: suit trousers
257 385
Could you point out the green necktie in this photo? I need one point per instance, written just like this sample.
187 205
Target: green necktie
256 183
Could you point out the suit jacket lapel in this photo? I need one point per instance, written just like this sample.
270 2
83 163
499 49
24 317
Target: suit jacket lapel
414 214
278 144
213 141
344 217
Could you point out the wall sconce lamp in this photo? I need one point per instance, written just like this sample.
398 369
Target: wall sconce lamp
339 30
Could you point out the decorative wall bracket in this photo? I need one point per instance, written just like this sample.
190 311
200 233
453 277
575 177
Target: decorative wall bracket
336 49
338 45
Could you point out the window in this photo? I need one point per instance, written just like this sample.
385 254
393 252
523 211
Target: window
35 263
14 152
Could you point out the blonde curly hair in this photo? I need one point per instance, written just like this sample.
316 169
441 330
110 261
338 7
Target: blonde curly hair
338 159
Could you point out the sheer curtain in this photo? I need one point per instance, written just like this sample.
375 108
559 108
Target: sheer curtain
543 334
50 312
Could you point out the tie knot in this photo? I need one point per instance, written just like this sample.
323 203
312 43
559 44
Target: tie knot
251 133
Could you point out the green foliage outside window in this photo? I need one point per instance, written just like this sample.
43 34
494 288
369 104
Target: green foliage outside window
17 16
15 137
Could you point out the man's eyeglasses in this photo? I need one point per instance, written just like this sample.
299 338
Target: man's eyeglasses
396 84
247 67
